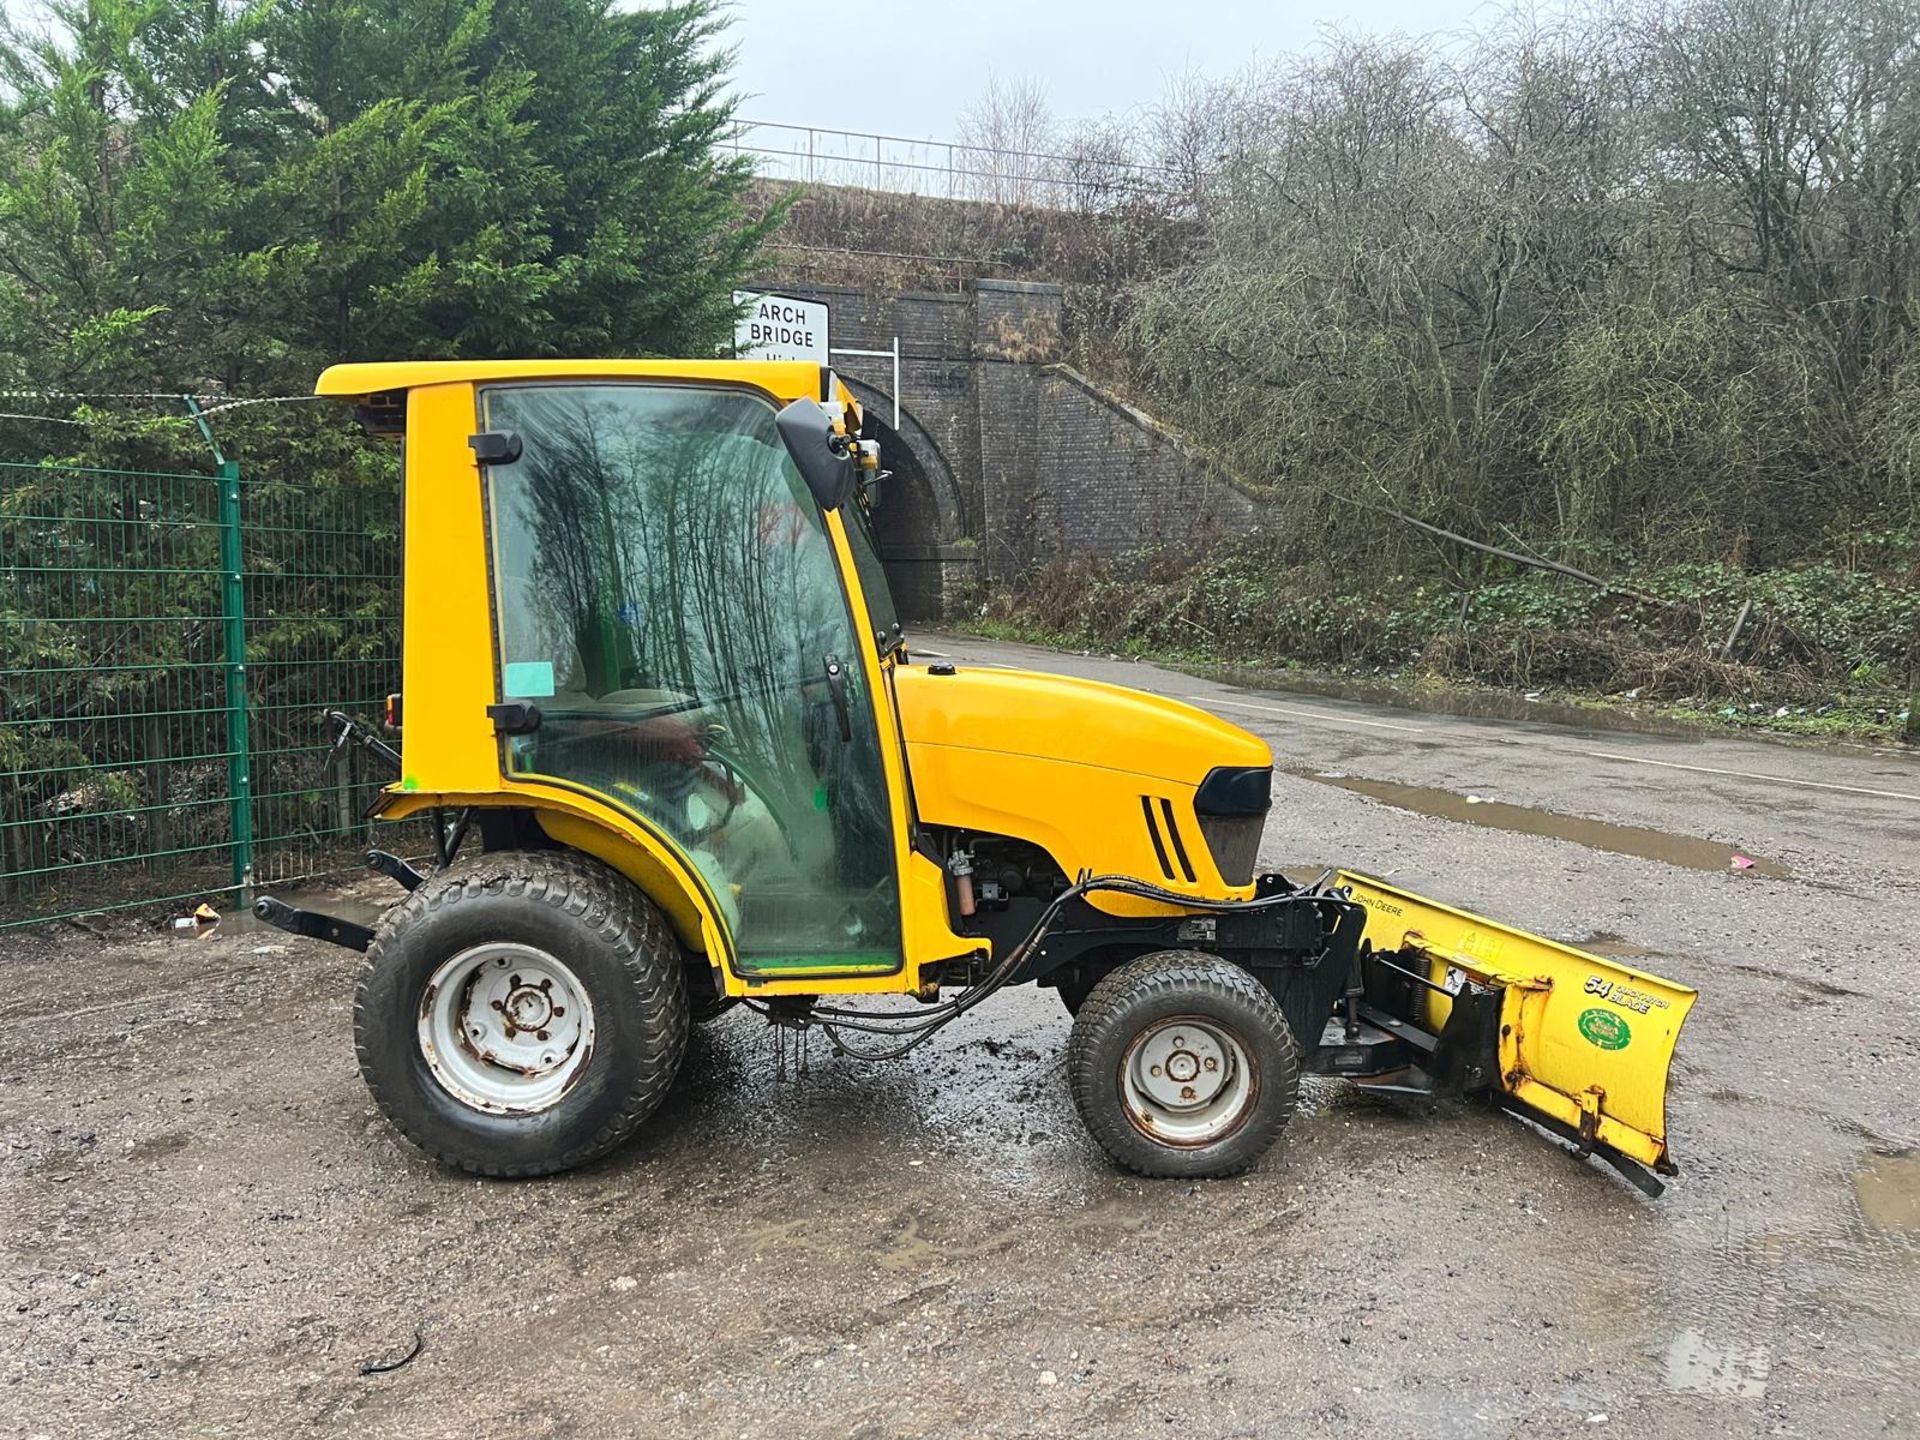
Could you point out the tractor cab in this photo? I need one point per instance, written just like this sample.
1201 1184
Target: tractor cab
672 604
629 608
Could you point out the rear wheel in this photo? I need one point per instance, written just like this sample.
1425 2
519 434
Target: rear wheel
1182 1064
522 1014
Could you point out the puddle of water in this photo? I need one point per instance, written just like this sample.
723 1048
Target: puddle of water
1889 1190
243 922
1605 942
1693 1362
1685 850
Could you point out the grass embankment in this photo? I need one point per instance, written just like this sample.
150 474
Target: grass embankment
1828 649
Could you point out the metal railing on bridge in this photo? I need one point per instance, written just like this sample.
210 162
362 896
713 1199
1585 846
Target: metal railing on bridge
1071 179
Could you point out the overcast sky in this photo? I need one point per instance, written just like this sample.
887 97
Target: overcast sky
909 67
914 65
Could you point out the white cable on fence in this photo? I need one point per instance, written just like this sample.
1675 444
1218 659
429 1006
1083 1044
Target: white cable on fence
260 400
222 402
174 395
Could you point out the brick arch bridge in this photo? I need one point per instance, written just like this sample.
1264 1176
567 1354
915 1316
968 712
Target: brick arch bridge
1005 456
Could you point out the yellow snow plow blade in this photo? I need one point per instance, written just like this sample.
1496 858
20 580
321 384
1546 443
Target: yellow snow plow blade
1584 1041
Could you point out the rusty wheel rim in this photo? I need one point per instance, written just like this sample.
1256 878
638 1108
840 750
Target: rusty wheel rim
505 1028
1187 1081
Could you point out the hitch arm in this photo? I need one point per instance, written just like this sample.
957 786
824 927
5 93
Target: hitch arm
395 869
312 924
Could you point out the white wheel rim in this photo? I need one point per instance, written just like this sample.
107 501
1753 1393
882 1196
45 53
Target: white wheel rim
1187 1081
506 1028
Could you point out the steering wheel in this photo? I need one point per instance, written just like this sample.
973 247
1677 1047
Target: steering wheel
732 785
660 774
737 783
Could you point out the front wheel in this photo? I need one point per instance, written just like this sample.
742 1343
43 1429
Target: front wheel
1182 1065
522 1014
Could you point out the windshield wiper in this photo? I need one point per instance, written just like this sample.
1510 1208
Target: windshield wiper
837 687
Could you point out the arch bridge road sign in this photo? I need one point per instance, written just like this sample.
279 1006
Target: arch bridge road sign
778 327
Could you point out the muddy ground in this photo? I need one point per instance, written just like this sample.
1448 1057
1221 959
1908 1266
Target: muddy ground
209 1231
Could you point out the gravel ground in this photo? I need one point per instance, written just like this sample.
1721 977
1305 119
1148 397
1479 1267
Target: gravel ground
209 1231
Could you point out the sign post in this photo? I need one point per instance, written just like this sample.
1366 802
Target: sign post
893 355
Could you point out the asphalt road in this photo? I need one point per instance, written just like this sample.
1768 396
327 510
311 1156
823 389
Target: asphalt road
209 1231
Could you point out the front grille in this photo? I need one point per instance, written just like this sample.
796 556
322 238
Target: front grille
1234 843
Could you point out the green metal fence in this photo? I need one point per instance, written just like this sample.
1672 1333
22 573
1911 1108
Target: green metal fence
168 643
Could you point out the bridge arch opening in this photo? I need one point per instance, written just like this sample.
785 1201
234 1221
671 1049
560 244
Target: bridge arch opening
918 521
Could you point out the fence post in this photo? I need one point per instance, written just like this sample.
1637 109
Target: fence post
234 617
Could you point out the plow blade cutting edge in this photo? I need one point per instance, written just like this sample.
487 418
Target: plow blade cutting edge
1578 1043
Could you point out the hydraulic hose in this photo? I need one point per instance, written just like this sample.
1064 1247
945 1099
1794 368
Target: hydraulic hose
919 1025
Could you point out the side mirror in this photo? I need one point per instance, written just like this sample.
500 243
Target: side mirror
825 459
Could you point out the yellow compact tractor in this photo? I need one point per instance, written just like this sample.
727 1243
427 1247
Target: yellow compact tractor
659 708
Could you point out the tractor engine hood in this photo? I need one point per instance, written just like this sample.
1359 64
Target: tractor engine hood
1102 778
1061 718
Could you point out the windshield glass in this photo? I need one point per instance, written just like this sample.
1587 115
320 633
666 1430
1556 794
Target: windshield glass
669 599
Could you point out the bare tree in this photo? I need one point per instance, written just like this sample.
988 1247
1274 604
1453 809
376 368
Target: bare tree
1096 170
1007 137
1191 133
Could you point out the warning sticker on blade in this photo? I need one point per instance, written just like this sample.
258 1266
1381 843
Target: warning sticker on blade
1606 1029
1625 996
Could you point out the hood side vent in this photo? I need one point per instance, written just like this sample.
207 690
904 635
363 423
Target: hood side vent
1153 830
1179 845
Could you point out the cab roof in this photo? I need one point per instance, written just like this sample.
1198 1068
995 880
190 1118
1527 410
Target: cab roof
783 379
